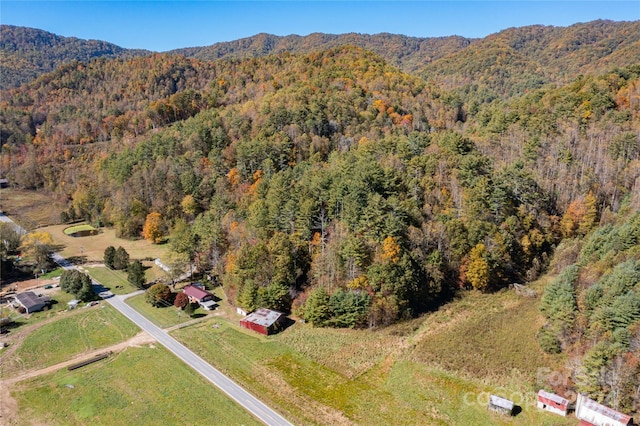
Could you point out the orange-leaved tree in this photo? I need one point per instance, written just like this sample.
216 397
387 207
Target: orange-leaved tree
152 230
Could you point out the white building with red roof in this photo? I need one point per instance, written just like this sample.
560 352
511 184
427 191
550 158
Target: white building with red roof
552 402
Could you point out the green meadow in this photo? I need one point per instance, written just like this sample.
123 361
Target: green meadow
142 386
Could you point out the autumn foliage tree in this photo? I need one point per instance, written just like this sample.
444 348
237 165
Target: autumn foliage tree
478 271
38 246
152 230
158 295
181 300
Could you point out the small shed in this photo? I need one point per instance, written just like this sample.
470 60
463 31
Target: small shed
592 413
552 402
500 405
32 302
263 321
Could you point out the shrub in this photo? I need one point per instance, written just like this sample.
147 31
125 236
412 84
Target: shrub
548 341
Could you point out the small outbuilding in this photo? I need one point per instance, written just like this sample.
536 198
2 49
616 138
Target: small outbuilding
161 265
589 412
264 321
32 302
500 405
552 402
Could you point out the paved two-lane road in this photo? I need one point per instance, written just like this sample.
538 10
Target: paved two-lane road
235 392
226 385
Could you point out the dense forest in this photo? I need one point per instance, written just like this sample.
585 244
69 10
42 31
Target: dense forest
317 176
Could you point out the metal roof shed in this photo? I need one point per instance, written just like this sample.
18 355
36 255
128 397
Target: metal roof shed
593 413
500 405
552 402
263 321
31 302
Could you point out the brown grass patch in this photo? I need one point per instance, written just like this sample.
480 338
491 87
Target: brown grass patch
31 209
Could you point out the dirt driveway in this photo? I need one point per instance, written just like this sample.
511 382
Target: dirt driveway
25 285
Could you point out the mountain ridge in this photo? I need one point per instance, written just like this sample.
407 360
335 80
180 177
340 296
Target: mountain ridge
26 53
547 54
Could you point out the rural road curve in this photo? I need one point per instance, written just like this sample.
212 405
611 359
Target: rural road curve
249 402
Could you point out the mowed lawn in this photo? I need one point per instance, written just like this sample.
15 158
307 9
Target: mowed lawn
162 317
409 374
115 281
79 331
139 386
92 248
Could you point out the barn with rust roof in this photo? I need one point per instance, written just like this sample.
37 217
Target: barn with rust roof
591 413
264 321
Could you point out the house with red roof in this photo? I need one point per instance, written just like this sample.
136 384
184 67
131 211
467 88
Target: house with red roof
200 296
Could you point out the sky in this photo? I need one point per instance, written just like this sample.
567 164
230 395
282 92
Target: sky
166 25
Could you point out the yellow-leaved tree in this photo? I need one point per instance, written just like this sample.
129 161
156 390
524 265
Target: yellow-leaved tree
477 273
152 230
189 205
390 250
38 246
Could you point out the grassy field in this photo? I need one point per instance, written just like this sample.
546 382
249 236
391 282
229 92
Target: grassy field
52 274
30 209
488 336
92 248
142 386
95 327
115 281
162 317
439 369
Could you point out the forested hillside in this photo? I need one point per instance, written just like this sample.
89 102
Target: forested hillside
407 53
331 184
517 60
26 53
